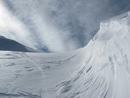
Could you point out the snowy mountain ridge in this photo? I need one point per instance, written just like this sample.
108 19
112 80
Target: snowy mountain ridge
99 70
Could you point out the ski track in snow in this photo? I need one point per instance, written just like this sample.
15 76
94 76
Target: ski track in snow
99 70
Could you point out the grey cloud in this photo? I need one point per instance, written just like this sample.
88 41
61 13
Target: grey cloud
76 21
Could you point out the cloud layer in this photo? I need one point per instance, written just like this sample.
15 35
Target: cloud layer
56 25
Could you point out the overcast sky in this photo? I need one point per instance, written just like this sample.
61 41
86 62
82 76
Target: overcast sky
56 25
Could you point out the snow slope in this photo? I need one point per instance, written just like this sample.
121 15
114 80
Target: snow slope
99 70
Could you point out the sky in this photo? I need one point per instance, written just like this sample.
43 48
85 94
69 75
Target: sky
56 25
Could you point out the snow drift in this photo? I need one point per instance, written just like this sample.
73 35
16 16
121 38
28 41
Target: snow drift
99 70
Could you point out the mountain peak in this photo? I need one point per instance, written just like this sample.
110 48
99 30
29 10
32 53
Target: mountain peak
11 45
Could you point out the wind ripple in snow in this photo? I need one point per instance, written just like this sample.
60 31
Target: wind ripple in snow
99 70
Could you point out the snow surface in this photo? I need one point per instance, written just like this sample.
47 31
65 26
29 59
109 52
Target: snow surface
99 70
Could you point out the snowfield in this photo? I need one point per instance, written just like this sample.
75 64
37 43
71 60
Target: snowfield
99 70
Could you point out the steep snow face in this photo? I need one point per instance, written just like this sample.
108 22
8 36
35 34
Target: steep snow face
99 70
106 71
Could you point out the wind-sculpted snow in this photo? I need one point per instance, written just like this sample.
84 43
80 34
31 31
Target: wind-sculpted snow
106 71
99 70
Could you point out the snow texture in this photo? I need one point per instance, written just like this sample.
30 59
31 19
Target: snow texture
99 70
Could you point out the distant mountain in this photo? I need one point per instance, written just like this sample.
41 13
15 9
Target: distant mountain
11 45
